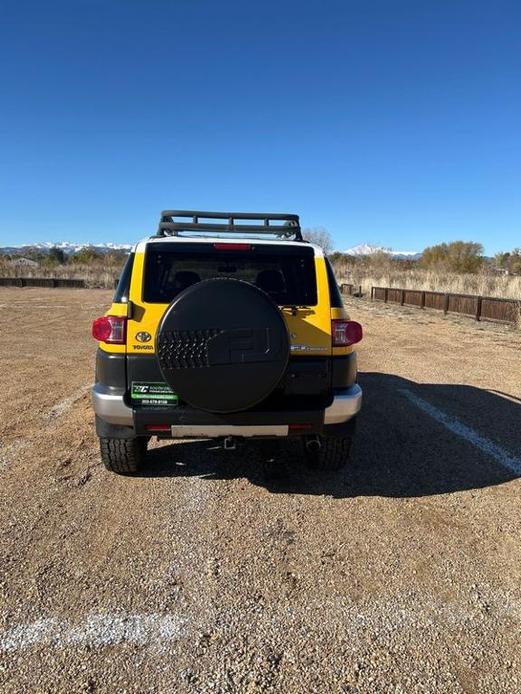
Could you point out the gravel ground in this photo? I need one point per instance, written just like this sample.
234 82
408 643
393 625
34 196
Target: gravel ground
240 571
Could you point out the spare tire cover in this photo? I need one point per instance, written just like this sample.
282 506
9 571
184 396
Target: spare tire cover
222 345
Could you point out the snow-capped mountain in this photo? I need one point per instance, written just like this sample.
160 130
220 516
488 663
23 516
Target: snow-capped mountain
66 246
364 249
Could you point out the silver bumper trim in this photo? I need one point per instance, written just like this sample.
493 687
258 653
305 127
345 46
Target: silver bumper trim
203 431
347 404
110 406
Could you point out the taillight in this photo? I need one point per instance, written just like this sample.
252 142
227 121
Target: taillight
345 332
304 426
111 329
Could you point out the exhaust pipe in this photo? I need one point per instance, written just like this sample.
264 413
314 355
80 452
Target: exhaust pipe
313 444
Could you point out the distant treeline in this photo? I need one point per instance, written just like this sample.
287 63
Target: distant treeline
97 269
457 256
56 256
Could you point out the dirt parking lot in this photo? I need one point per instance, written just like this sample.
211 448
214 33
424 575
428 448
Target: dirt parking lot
228 572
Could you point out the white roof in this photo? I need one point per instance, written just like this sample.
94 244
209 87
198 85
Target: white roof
140 245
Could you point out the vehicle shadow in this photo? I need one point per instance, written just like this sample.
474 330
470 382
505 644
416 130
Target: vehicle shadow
402 449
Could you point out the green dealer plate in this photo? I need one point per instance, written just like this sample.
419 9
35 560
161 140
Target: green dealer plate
158 394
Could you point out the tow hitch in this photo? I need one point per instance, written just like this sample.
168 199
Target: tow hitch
229 443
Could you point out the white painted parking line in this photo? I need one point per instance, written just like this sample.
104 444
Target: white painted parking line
501 455
9 452
66 404
385 616
98 630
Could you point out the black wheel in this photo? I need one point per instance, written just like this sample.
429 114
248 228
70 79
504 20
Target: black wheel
123 456
330 453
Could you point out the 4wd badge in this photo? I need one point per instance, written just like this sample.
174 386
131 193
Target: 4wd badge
143 337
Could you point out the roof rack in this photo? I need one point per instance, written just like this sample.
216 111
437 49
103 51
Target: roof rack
286 225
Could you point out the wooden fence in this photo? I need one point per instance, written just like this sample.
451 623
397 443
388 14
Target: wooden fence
478 307
351 289
41 282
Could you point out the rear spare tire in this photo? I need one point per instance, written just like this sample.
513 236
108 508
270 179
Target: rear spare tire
222 345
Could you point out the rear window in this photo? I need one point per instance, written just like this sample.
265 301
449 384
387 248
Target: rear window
286 273
122 290
335 298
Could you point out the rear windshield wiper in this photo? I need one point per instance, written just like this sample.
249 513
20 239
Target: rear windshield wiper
294 309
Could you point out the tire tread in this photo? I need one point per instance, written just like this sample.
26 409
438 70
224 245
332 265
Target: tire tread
123 456
334 453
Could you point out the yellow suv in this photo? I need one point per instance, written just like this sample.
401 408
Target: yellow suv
226 325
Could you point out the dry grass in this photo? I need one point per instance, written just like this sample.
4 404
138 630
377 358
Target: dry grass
501 286
368 274
96 274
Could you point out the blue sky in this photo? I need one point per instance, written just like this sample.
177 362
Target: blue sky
386 121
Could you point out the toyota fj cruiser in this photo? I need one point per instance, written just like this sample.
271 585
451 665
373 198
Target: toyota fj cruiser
226 325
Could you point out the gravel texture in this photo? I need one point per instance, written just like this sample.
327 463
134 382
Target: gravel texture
240 571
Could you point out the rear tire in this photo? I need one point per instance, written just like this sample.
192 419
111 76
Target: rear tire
334 452
123 456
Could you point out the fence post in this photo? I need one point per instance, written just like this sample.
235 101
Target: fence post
402 296
422 305
372 293
446 304
478 307
359 291
386 293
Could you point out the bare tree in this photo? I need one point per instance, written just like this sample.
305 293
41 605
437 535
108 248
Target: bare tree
320 236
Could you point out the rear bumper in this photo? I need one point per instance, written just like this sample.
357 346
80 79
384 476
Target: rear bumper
205 431
110 407
346 404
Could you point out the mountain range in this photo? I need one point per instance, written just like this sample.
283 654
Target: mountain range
364 249
67 247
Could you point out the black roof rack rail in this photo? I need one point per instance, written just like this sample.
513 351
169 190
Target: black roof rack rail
286 225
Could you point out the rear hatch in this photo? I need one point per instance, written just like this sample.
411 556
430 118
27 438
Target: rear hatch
290 274
294 277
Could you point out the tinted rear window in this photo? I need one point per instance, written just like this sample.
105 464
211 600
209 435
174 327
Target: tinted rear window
286 273
122 290
334 292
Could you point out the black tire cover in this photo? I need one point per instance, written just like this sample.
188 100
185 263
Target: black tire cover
222 345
